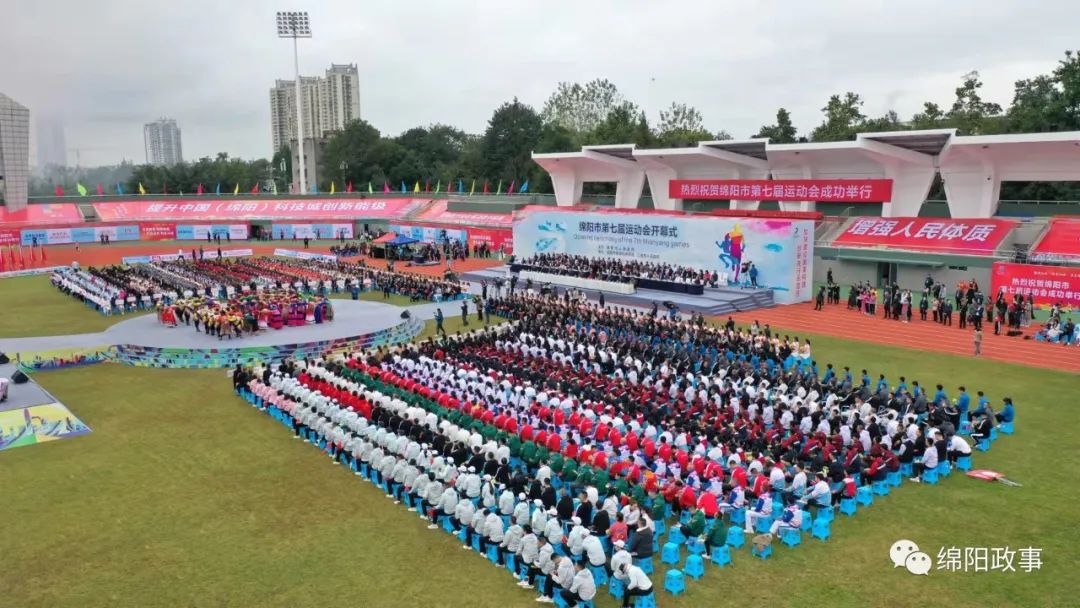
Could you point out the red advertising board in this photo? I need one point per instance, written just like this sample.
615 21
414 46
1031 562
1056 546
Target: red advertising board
41 215
10 236
494 237
1061 241
823 190
157 231
439 213
1048 284
939 235
204 209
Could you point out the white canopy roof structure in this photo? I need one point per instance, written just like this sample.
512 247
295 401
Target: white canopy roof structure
972 167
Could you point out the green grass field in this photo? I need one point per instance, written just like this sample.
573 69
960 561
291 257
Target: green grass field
184 495
33 307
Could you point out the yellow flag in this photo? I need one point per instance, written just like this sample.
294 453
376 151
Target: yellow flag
438 187
416 188
141 189
236 190
472 190
333 188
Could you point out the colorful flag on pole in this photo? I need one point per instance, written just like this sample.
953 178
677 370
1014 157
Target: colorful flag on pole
236 190
255 188
403 189
498 190
274 187
119 188
461 186
427 185
198 189
333 187
510 190
33 254
42 252
314 188
416 187
100 190
438 187
449 185
472 189
485 186
81 188
348 186
385 187
164 188
59 190
141 189
370 190
217 190
524 187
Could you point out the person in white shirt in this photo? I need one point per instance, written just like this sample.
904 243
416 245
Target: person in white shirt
637 583
820 494
622 557
929 460
958 447
582 586
761 509
594 549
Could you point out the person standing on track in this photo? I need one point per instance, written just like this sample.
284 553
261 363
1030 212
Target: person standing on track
978 341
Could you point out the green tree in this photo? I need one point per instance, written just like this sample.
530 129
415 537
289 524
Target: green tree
931 117
843 118
581 108
511 135
889 122
969 113
783 132
681 125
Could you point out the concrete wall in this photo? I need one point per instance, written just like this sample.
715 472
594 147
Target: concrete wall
908 276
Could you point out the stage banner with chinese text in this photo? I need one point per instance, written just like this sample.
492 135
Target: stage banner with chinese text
1061 243
205 232
495 238
224 209
1048 284
785 190
938 235
781 249
79 234
157 231
311 231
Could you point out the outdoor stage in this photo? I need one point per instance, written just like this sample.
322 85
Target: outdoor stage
714 302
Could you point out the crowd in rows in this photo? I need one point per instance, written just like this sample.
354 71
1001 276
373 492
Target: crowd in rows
566 432
613 270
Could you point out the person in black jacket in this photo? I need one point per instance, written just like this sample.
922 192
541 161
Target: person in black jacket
548 495
641 542
584 509
565 506
601 521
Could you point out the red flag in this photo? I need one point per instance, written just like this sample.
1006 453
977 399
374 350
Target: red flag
22 260
385 187
450 186
255 188
100 190
42 252
485 187
11 257
427 186
198 189
3 261
348 186
510 190
59 190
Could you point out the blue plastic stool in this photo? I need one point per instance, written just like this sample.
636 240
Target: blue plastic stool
821 530
864 496
847 506
721 556
646 565
893 478
826 513
674 582
676 536
907 470
807 520
695 545
1007 428
762 553
461 535
738 516
790 537
599 574
671 554
645 601
993 433
661 527
963 463
881 488
762 524
476 542
735 537
695 567
983 445
930 476
493 554
448 524
944 469
615 588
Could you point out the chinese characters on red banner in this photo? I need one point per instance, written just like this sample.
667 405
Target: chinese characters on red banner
787 190
233 210
974 237
1048 284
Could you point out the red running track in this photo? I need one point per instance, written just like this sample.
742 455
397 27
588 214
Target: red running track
836 320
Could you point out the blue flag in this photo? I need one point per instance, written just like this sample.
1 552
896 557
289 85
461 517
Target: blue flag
314 188
119 188
403 188
218 189
460 185
524 187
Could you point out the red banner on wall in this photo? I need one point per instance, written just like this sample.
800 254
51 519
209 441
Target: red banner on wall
157 231
939 235
1048 284
823 190
10 237
222 209
494 237
1060 243
439 213
41 215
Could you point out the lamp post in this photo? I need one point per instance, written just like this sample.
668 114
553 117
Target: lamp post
295 25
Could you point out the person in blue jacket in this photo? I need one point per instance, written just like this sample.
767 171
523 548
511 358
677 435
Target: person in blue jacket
1007 412
963 401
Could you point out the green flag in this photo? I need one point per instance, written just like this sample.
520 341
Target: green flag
472 190
370 190
81 188
438 186
498 190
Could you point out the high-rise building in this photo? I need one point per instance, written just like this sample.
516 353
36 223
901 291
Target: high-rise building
51 143
329 103
162 140
14 153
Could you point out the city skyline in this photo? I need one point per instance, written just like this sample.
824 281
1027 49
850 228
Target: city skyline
163 142
329 103
216 87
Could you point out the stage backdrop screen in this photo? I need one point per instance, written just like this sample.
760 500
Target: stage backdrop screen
781 249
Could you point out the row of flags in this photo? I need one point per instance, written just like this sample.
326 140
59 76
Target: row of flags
15 259
513 188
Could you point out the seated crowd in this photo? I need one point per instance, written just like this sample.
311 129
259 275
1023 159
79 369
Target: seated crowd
559 441
618 271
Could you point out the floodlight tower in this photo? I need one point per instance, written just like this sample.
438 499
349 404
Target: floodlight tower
295 25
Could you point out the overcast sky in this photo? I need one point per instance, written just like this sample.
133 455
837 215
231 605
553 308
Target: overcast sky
108 66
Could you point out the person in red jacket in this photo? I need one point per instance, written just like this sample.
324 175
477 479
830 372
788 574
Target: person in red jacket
708 504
